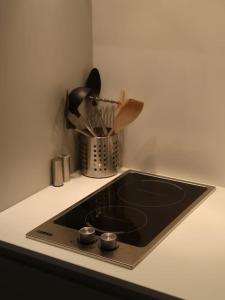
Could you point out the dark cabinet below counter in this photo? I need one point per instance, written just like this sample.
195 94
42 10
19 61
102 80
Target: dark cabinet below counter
25 274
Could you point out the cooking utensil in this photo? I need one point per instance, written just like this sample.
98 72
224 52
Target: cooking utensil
94 84
76 96
96 118
73 123
108 115
126 113
105 131
69 118
95 99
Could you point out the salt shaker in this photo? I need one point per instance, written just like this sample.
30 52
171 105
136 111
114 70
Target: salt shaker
66 166
57 171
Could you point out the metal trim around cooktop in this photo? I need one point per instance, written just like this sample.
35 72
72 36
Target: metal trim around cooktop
126 255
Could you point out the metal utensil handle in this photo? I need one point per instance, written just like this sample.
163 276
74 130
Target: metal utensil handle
70 119
104 100
105 131
91 127
87 126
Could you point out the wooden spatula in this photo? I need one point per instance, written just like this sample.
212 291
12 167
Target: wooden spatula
127 112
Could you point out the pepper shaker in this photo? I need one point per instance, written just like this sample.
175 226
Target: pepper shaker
66 166
57 172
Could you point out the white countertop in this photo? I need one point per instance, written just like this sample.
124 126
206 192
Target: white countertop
189 263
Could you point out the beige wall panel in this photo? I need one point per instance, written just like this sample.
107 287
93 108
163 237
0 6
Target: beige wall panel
171 55
45 48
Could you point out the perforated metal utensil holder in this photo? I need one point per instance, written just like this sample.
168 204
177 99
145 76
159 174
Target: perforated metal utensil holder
100 156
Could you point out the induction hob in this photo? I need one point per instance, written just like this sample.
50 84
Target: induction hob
125 219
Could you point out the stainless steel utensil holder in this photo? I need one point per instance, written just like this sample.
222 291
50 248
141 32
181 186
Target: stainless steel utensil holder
100 156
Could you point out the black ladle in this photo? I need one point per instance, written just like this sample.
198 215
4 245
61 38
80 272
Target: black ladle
94 83
76 96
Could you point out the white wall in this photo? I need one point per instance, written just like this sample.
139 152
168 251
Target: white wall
46 48
171 55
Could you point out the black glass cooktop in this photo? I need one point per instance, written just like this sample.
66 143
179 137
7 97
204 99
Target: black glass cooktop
135 206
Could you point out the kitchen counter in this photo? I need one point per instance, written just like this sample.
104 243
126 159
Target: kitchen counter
189 263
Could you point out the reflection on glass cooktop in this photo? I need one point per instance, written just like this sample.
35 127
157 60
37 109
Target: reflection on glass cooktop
137 207
122 221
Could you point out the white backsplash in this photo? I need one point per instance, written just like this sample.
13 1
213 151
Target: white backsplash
171 55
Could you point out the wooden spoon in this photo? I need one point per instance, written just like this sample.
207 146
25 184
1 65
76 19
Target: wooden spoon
127 112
